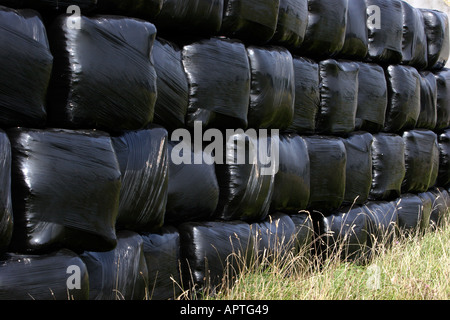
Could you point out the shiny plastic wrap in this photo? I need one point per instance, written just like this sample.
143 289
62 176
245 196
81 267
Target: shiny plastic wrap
385 31
65 190
304 233
103 77
144 163
388 165
443 99
440 206
344 233
437 32
338 96
356 38
382 222
372 98
325 32
26 63
328 160
307 95
60 275
219 79
410 212
414 44
147 9
119 274
162 255
213 251
358 172
272 91
186 202
291 184
443 179
6 213
253 21
403 108
291 24
428 202
246 187
172 85
421 160
428 101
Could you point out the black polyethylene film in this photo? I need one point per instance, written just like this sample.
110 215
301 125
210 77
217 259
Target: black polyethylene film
437 33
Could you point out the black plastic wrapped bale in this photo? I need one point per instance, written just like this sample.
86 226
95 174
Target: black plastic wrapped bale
214 252
388 166
410 210
356 38
307 95
218 71
253 21
443 99
162 255
60 275
65 190
325 32
291 186
185 202
272 90
358 172
102 77
6 213
428 101
440 206
437 32
180 17
328 159
421 160
26 63
119 274
344 233
338 97
385 31
382 223
172 85
245 182
428 202
147 9
144 163
49 9
372 98
414 44
403 108
304 233
444 159
273 238
291 24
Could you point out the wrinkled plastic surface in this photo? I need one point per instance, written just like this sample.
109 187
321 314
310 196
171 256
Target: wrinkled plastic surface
441 203
119 274
338 96
404 98
291 24
328 160
386 34
43 277
144 164
428 101
172 85
6 213
162 256
325 32
253 21
421 160
388 165
193 192
304 233
272 87
211 250
307 95
437 32
291 185
410 211
65 190
429 208
26 63
443 98
219 78
147 9
382 223
358 172
444 159
372 98
356 38
414 43
103 77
